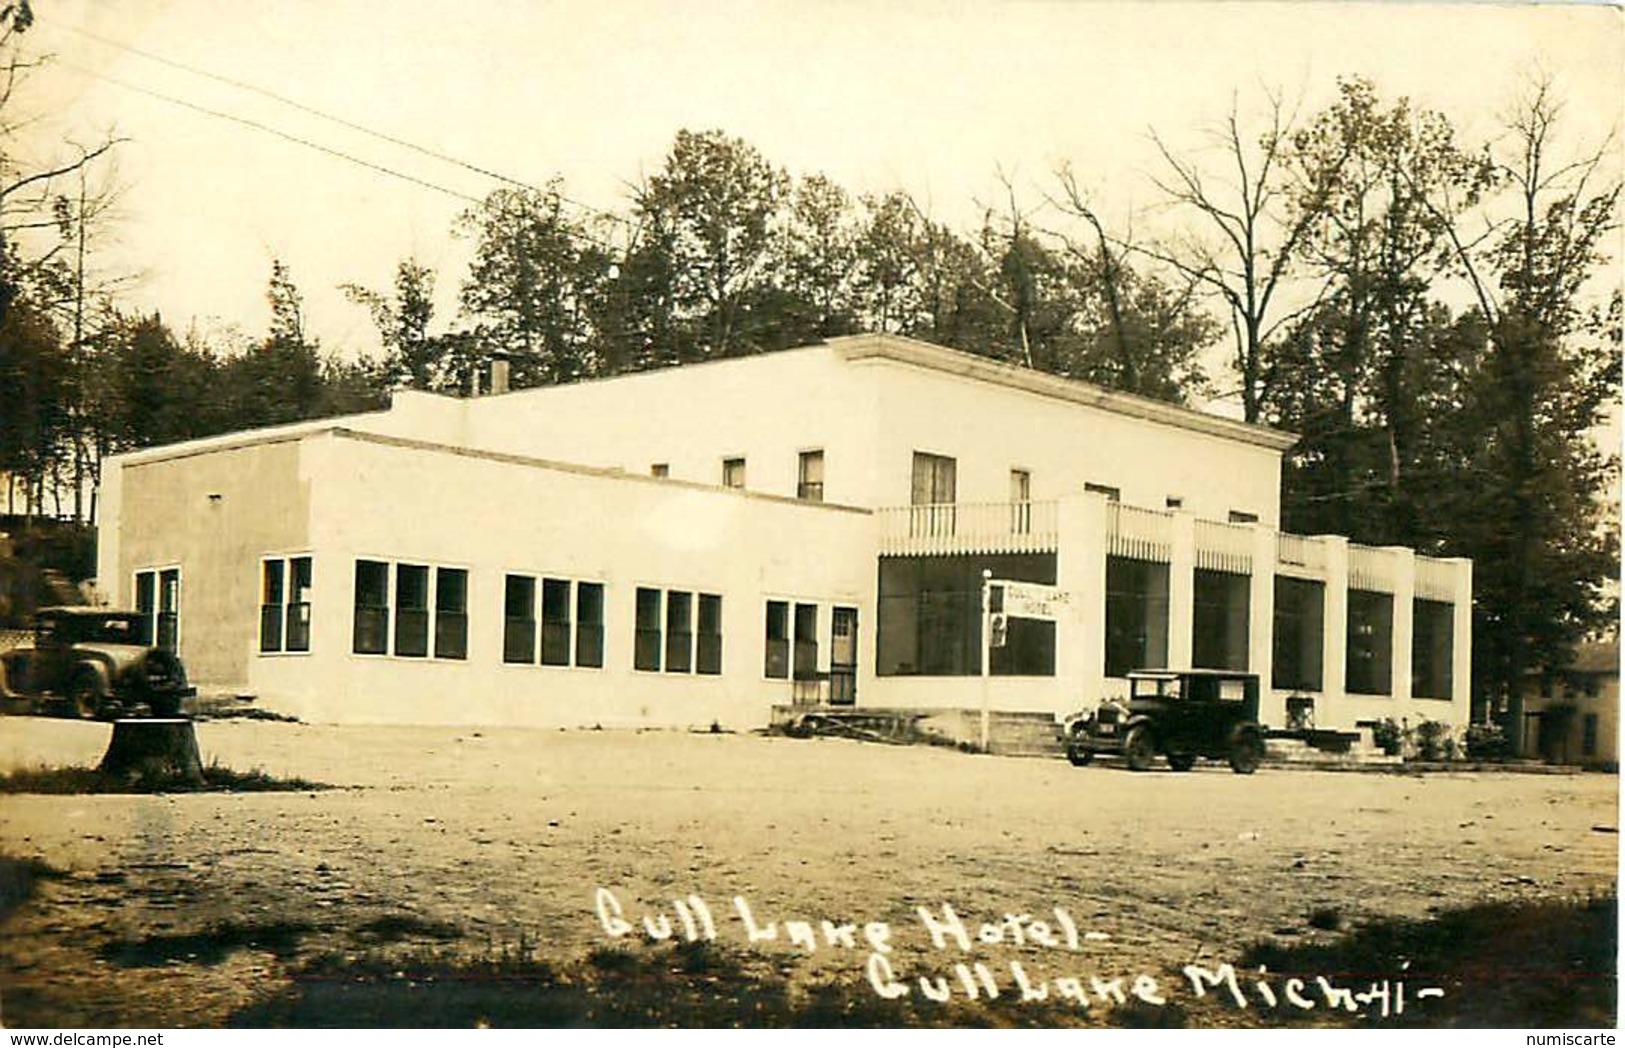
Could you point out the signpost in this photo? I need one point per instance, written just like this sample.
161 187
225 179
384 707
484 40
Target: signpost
1003 600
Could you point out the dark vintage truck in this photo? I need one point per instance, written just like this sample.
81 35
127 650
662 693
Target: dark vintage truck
92 663
1178 714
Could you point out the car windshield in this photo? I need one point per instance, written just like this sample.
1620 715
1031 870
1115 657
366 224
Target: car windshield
97 629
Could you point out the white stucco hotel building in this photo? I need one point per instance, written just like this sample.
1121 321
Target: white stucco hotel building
700 544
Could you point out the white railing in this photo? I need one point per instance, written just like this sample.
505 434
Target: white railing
1435 578
1300 555
1224 547
1371 568
968 527
1142 534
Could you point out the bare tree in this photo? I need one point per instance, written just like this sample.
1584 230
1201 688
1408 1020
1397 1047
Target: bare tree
1249 228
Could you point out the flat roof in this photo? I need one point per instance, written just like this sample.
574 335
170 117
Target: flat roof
1013 376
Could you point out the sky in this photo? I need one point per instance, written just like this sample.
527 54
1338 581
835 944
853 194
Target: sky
933 98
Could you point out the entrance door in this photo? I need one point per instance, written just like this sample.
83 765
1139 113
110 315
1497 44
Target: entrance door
843 656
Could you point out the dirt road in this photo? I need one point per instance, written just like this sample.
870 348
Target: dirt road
190 909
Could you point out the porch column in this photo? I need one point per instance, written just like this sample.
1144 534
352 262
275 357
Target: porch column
1080 571
1261 623
1461 642
1181 590
1403 635
1335 636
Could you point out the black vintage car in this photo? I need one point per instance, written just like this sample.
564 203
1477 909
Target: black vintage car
1180 714
93 663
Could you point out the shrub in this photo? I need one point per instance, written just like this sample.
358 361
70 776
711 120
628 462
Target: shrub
1433 742
1486 742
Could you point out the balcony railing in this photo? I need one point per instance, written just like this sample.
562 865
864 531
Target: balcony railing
1224 547
1141 534
1300 555
968 527
1435 579
1371 568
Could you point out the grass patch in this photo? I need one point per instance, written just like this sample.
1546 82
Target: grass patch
1531 964
80 779
208 947
687 985
18 878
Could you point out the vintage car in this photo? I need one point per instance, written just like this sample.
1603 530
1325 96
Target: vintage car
93 662
1180 714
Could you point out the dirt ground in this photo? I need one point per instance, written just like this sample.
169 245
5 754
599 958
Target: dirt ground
194 909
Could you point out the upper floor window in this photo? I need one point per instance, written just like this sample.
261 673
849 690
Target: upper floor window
660 469
934 481
1239 516
810 476
733 473
1175 502
1112 494
1021 495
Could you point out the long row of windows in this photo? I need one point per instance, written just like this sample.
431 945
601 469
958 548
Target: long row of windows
678 631
420 611
809 474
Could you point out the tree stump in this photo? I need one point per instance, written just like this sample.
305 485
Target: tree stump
154 752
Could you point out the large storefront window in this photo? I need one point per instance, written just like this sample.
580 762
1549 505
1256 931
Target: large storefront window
1300 611
1136 615
930 617
1432 637
1370 642
1219 620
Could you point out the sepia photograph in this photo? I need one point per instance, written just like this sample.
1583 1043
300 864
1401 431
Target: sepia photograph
842 514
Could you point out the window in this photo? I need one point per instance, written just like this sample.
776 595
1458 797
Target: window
1136 615
778 640
590 624
371 608
1370 642
1300 612
932 493
285 604
450 613
810 476
708 640
1112 494
1021 496
733 473
571 621
805 666
411 610
519 619
1174 502
660 469
1219 620
929 617
667 637
646 645
1238 516
555 622
1432 637
679 632
934 480
158 599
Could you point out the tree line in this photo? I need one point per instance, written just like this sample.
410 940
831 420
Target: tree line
1431 316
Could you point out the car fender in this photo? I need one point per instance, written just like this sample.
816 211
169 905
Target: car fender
99 666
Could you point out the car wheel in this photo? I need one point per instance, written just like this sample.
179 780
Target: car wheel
1138 749
1078 755
1246 752
1181 761
86 695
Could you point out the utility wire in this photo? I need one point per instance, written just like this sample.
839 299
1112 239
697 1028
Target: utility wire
256 125
341 121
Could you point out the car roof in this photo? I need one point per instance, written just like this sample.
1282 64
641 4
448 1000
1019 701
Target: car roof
80 611
1163 674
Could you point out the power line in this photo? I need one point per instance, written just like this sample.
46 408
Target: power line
256 125
321 114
